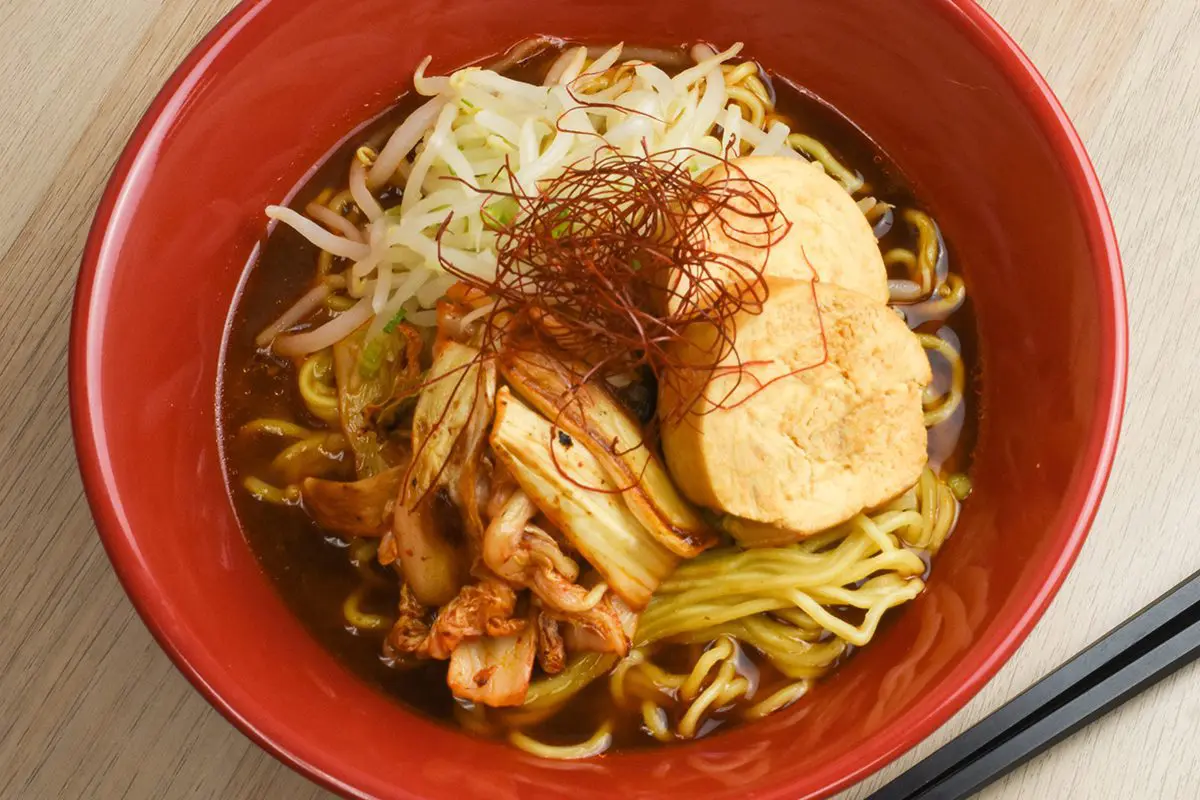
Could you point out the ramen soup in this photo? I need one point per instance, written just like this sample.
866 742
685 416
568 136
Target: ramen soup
600 397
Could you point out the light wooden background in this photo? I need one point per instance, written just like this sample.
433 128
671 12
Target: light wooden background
89 707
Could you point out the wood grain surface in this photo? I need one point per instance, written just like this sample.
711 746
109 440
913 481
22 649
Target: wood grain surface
89 706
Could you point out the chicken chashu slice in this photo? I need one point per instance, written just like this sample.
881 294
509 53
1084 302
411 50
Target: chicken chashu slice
818 226
813 448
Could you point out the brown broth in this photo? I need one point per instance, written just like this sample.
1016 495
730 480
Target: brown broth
311 568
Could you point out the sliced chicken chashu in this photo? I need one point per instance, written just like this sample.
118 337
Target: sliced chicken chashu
826 423
818 228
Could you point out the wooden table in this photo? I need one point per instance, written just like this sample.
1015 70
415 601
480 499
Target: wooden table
89 706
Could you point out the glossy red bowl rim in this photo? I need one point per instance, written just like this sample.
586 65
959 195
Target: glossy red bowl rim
301 755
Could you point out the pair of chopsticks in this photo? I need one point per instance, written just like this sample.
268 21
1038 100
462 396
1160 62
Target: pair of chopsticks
1148 647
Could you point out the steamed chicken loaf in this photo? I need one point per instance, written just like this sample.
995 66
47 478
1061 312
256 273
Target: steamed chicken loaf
828 233
825 439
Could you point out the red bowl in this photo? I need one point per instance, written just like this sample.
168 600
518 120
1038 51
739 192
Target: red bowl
278 84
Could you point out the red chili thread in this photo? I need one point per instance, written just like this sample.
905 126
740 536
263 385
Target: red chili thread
610 263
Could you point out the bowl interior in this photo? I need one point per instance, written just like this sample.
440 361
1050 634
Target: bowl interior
280 84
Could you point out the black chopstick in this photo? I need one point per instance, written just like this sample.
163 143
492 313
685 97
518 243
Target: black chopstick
1156 642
